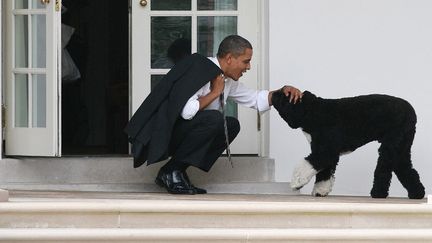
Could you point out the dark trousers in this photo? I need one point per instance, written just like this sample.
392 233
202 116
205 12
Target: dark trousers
200 141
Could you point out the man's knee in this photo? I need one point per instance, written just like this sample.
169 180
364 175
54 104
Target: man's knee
233 126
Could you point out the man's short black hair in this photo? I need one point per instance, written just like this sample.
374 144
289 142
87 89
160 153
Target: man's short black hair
233 44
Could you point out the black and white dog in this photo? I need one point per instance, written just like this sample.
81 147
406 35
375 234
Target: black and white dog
338 126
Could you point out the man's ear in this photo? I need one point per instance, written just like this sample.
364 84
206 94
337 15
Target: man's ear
228 58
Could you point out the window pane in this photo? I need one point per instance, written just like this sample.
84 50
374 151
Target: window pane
155 79
21 100
212 30
231 108
171 5
164 32
37 4
21 41
21 4
39 41
217 4
39 100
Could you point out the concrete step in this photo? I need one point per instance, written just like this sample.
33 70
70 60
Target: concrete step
180 235
4 195
32 216
229 187
194 214
249 175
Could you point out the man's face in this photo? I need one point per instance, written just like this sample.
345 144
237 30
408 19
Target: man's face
238 65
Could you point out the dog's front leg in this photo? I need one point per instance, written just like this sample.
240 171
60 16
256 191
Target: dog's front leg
303 173
314 164
324 182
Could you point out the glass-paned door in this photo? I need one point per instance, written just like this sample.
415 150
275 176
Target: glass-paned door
165 30
32 77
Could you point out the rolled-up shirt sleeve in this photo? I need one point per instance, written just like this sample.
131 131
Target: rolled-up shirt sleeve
191 107
262 101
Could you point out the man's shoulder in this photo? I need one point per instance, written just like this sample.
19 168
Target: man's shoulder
214 60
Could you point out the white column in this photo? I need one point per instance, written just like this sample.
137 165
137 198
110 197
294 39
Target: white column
1 83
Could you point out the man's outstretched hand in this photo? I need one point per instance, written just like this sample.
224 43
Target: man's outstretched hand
294 93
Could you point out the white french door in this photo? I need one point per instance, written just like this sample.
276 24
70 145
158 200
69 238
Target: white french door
197 25
31 77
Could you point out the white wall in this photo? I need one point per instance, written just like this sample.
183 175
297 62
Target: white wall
338 48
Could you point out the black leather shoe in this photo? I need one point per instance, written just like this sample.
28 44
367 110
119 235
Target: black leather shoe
174 182
197 189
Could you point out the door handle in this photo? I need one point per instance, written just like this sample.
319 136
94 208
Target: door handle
45 1
142 3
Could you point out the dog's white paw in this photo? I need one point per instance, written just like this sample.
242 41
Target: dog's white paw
308 137
303 173
323 188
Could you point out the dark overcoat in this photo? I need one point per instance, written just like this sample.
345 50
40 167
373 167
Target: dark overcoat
150 128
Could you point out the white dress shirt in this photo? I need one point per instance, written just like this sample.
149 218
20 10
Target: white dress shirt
235 90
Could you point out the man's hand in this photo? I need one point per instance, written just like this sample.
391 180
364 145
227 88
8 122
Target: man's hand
295 94
216 88
217 84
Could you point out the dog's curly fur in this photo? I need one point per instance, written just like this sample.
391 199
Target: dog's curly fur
338 126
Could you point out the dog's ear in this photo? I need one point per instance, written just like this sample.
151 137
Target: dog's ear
294 115
278 99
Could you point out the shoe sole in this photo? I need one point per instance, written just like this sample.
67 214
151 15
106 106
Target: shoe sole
160 183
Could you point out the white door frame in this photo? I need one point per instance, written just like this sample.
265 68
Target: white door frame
263 73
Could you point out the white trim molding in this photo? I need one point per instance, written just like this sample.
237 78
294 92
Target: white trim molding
263 74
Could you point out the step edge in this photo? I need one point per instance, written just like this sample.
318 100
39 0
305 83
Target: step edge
198 206
216 234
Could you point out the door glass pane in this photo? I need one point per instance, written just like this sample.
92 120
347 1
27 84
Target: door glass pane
21 100
212 30
39 100
171 5
164 32
21 41
231 108
217 4
21 4
37 4
39 41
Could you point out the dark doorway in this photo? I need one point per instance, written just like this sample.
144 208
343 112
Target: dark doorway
95 76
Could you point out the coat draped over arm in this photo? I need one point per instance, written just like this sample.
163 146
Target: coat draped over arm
150 128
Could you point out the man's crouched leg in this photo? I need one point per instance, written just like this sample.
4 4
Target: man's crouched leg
197 142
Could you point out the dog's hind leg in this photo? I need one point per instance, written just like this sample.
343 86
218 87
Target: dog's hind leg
405 172
324 181
383 171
